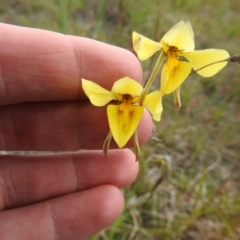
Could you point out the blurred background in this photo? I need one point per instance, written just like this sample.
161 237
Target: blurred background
189 181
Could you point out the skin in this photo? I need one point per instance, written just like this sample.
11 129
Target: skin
69 194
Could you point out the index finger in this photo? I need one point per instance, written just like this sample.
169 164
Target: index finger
40 65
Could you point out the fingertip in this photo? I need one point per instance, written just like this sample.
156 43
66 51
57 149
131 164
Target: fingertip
131 65
104 63
110 204
100 209
73 216
123 159
145 128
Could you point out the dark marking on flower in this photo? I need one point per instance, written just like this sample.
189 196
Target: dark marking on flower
127 96
173 49
137 41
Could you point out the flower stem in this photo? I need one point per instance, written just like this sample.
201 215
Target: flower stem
235 58
152 77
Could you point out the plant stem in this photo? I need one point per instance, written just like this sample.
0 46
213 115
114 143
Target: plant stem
152 77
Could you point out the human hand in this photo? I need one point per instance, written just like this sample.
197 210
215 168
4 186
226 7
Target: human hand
69 195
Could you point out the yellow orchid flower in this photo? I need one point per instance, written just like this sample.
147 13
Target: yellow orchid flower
178 42
125 114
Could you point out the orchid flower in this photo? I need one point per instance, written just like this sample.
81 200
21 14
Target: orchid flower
124 112
177 44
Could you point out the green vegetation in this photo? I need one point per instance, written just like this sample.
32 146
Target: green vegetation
189 182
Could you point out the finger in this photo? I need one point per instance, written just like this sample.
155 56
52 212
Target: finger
56 126
39 65
75 216
28 179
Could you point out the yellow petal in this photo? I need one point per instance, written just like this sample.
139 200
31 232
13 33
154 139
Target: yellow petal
123 121
201 58
153 102
180 36
98 96
144 47
171 80
128 86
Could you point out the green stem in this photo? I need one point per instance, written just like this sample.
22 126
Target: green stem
136 148
152 77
